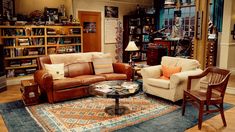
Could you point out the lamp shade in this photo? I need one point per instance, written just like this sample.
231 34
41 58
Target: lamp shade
131 46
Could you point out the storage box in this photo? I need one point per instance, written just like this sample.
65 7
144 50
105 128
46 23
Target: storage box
29 90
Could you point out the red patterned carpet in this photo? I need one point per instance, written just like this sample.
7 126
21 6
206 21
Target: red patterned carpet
88 114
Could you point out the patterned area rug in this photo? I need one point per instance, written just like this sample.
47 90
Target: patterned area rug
153 117
88 114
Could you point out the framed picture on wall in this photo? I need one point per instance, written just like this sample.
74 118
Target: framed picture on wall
111 12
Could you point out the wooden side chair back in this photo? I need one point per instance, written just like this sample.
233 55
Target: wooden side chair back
216 80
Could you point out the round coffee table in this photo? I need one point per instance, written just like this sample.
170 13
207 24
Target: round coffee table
115 89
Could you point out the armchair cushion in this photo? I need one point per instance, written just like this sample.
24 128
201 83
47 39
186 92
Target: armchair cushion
114 76
151 72
188 64
158 83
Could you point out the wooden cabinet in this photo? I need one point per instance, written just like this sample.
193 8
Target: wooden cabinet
138 28
23 44
154 55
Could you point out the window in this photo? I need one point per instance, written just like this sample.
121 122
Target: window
187 19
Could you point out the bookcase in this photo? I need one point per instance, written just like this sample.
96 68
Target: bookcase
23 44
138 28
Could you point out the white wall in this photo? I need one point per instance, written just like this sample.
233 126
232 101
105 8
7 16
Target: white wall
227 45
124 8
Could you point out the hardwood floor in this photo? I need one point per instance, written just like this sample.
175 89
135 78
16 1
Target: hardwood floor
212 125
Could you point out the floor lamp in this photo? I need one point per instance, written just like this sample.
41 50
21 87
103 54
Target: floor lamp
131 47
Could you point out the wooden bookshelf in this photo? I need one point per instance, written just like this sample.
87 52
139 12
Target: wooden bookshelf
23 44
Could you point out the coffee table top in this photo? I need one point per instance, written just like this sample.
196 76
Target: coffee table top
114 89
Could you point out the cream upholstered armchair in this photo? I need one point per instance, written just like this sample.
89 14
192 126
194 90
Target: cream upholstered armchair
171 88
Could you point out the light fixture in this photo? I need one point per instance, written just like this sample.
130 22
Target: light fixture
131 47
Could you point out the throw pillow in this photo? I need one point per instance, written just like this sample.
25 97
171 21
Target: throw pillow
168 71
56 70
103 63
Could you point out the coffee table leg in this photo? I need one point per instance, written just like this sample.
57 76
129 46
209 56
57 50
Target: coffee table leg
116 109
116 106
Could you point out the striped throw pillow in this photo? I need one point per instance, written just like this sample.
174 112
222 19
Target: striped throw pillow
102 63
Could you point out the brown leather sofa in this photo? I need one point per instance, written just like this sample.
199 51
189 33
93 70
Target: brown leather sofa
78 77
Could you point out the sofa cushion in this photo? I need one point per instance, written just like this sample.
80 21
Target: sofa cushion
66 83
72 57
114 76
79 68
102 63
160 83
90 79
167 71
56 70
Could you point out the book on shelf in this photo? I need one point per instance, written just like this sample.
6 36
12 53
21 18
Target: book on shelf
145 38
34 61
32 52
51 31
10 42
52 40
38 31
67 40
30 70
14 63
76 31
26 62
143 56
19 51
37 41
12 52
24 42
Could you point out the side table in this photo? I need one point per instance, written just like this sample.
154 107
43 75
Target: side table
29 90
136 71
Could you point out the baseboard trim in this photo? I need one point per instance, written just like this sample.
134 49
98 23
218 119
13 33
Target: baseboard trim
230 90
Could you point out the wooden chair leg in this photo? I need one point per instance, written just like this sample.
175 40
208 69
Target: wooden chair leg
183 104
200 115
222 114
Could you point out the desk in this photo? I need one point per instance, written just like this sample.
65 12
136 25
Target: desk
169 44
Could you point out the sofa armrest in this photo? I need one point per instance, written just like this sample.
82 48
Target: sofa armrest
124 69
45 82
181 78
151 72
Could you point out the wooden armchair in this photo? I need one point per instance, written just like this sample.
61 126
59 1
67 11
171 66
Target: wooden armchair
216 80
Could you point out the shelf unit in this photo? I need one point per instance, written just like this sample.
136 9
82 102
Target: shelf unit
23 44
211 53
138 28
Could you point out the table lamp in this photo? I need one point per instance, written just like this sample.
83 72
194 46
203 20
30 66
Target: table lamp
131 47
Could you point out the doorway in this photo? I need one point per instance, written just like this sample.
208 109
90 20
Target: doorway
91 23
